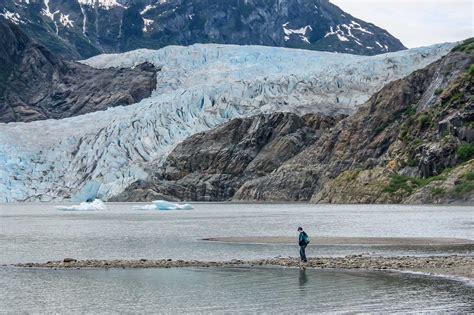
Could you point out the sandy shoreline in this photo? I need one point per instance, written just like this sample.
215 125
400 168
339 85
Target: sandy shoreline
456 266
352 241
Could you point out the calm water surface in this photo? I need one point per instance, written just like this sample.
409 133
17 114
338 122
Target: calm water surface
241 290
38 232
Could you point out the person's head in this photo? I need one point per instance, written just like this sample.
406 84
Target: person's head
300 229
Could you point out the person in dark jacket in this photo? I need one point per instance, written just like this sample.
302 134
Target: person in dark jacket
303 241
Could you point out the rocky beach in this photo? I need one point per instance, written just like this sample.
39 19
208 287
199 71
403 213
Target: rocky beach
454 265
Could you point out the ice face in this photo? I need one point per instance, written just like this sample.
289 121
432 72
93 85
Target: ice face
199 87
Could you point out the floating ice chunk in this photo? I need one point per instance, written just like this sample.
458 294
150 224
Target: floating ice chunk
166 205
185 206
144 207
163 205
95 205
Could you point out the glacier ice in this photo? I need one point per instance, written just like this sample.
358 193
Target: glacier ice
144 207
95 205
164 205
199 87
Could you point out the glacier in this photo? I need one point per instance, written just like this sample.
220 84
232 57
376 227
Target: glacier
199 87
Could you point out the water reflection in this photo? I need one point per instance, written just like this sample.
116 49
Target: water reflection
222 290
303 278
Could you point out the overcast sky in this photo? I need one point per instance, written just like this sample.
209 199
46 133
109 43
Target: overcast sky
416 22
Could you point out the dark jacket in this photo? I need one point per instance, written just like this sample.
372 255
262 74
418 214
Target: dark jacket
303 239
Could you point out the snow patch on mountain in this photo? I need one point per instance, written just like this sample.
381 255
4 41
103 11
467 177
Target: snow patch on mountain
105 4
301 32
357 26
345 33
148 8
65 20
198 88
47 10
12 16
146 24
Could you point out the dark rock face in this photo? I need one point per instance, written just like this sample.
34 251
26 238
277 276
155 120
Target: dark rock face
35 84
413 126
75 30
211 166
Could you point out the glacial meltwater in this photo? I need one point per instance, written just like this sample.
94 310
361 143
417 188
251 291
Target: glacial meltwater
39 232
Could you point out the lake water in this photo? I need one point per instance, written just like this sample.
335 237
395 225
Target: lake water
240 290
38 232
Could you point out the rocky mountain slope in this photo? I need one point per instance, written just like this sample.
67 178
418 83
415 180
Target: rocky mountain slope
199 87
84 28
212 165
411 142
35 84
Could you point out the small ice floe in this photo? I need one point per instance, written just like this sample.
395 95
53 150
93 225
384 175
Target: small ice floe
164 205
95 205
144 207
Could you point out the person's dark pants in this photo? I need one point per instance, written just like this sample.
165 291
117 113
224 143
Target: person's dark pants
303 253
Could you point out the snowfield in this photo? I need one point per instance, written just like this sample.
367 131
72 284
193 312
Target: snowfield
199 87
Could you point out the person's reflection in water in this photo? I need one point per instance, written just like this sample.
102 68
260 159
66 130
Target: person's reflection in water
303 278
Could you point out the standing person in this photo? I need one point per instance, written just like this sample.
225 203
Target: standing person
303 241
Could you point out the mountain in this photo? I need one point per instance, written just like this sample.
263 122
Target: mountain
200 87
412 142
213 165
84 28
35 84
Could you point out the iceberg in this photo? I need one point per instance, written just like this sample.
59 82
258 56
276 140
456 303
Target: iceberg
164 205
144 207
95 205
98 155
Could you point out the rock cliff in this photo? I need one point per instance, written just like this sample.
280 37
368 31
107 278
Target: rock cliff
35 84
211 166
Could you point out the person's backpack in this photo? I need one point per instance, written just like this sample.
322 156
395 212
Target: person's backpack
306 238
